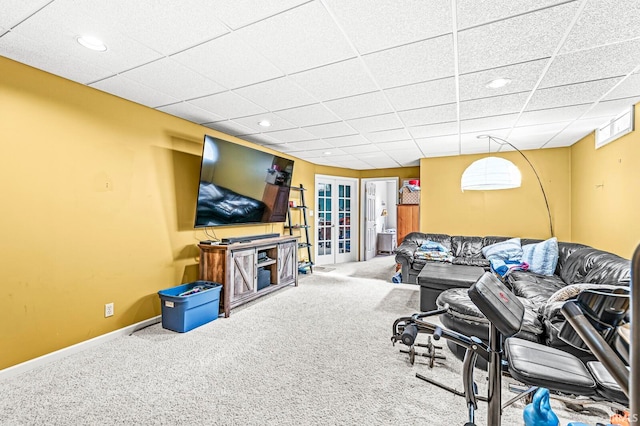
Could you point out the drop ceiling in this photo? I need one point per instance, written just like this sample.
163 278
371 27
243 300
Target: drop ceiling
361 84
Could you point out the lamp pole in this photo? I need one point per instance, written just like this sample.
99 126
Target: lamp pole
501 141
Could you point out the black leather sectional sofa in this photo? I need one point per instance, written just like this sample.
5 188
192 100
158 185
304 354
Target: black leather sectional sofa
578 267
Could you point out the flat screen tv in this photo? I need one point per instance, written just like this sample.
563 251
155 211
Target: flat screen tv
241 185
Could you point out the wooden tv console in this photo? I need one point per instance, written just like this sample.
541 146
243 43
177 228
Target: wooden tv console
235 266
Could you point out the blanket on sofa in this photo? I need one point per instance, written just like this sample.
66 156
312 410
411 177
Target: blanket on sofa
431 250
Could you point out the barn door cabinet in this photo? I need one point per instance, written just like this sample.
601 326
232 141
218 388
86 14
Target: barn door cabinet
249 270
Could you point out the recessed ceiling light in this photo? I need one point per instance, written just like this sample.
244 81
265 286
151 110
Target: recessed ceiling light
264 123
92 43
327 153
498 83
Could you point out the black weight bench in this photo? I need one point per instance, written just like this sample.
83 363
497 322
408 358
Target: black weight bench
533 364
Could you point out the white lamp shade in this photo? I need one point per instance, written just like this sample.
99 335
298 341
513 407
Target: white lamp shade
490 173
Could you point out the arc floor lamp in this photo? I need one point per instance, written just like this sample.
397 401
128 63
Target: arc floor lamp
492 173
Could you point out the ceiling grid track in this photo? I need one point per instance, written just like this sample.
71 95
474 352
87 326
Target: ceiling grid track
456 67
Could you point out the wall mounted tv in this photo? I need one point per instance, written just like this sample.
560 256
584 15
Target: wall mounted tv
241 185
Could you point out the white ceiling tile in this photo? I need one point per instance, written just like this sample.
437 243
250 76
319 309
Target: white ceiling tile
629 87
332 153
615 60
373 103
432 130
431 115
523 78
413 63
382 163
18 48
228 105
133 91
163 25
498 105
473 12
388 135
291 135
341 141
376 123
238 13
552 115
417 19
436 92
408 154
230 127
228 61
533 137
573 94
14 11
566 138
345 161
277 123
311 146
190 112
357 150
174 79
262 139
611 108
578 130
342 79
485 124
397 146
56 27
518 39
331 130
308 115
441 146
604 22
299 39
477 143
280 93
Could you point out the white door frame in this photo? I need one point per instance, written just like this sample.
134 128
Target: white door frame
391 203
355 226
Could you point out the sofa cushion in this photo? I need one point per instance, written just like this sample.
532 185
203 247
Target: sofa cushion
505 250
470 247
564 251
589 265
472 261
535 287
541 257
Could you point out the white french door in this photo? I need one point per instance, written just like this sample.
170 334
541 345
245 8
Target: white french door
336 220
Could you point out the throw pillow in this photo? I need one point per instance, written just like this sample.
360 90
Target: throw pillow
541 257
504 250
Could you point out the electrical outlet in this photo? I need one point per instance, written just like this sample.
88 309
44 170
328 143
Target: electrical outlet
108 310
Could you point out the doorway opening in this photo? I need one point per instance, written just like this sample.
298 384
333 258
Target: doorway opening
378 216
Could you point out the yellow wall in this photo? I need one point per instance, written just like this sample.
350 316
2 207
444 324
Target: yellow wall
605 202
98 198
444 208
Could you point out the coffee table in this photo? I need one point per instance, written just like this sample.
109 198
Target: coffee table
437 277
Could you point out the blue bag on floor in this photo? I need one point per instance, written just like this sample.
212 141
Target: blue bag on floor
397 278
539 412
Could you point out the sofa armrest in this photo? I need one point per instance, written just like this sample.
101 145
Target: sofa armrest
405 251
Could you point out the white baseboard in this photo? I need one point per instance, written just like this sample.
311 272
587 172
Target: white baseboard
78 347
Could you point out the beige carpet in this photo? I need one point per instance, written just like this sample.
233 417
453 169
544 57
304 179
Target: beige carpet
318 354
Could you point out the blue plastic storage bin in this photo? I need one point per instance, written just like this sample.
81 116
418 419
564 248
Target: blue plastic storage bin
184 313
